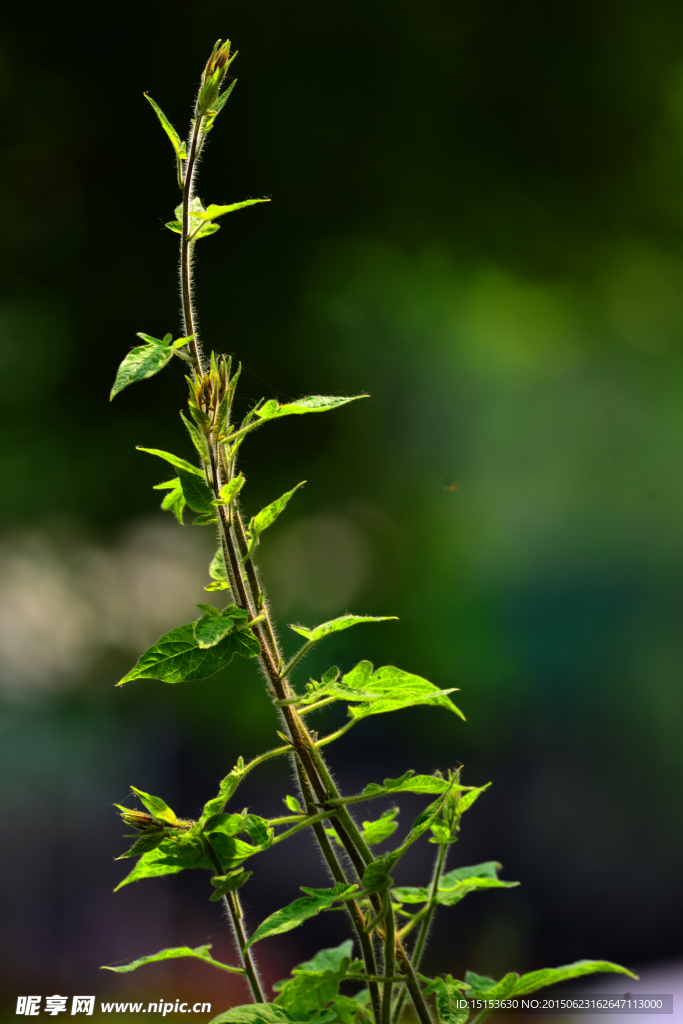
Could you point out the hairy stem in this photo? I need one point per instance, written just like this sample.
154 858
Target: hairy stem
232 905
311 763
425 926
186 247
338 875
389 954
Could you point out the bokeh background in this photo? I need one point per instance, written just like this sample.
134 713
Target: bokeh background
477 217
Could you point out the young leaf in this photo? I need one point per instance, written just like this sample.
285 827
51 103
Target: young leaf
293 805
377 831
214 625
257 829
376 875
300 910
174 501
410 894
223 99
315 982
176 657
314 403
157 807
218 573
151 865
206 519
268 1013
176 142
200 953
266 517
551 975
141 362
179 463
397 689
198 439
449 1000
335 689
231 851
228 883
229 491
408 783
227 787
456 884
148 841
334 625
212 211
196 493
328 959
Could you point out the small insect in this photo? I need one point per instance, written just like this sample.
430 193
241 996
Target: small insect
451 487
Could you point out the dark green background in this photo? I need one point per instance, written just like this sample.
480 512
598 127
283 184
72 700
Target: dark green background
477 217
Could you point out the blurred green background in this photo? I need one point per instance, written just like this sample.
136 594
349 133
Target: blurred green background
477 217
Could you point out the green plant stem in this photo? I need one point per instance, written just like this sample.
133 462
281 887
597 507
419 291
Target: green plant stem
312 762
389 954
232 905
352 906
299 654
426 924
185 248
256 592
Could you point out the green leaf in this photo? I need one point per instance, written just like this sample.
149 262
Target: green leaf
314 403
456 884
420 825
176 142
483 986
315 982
551 975
198 439
327 959
214 625
410 894
229 824
489 869
339 690
179 463
157 807
257 829
376 875
451 1005
141 362
176 657
408 783
375 832
334 625
396 689
151 865
300 910
229 491
228 883
268 1013
196 493
232 851
200 953
293 805
213 211
227 787
223 99
266 517
218 573
149 840
206 519
350 1009
174 501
